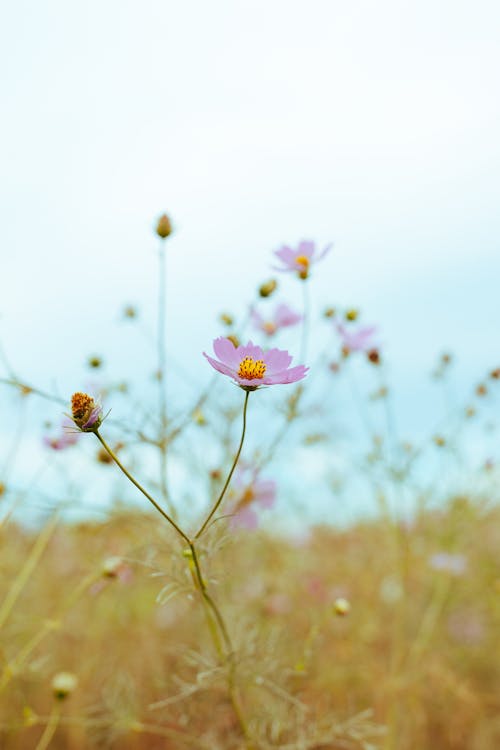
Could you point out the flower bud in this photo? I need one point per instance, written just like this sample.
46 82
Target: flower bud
63 684
163 227
352 314
266 289
329 312
227 319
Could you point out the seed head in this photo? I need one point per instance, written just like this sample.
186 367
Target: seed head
85 412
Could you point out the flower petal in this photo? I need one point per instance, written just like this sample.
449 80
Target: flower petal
221 367
276 360
226 351
286 376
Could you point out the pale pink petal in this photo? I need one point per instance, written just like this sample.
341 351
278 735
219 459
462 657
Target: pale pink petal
220 366
226 351
286 254
276 360
324 252
265 493
249 350
286 376
306 247
285 316
245 519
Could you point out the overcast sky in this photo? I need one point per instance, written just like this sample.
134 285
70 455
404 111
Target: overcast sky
374 125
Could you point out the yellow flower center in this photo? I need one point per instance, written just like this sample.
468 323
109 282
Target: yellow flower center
270 327
303 261
246 498
251 369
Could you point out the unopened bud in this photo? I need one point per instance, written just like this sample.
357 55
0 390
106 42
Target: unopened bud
352 314
329 312
163 227
234 339
63 684
94 362
227 319
266 289
373 356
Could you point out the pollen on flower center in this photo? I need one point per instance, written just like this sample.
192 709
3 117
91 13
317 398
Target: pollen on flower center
303 261
251 369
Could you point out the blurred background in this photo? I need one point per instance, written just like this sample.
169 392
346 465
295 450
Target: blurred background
370 125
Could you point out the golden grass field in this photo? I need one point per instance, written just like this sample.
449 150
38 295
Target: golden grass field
412 666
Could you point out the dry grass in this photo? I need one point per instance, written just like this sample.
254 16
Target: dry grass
418 648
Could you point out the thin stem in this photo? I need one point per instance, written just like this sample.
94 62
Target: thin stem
226 484
141 488
50 728
305 321
162 359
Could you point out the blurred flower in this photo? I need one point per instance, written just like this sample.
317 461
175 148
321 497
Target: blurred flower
359 340
283 317
94 361
85 412
163 227
252 493
251 367
64 439
301 259
449 563
329 312
266 289
341 606
495 374
63 684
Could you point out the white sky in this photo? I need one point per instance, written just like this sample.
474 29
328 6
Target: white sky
371 124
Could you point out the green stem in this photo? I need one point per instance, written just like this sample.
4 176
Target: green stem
141 488
226 484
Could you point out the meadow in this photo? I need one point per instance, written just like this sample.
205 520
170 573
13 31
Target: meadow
176 622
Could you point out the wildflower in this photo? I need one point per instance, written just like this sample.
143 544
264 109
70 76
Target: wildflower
251 367
163 227
283 317
64 440
360 340
266 289
301 259
449 563
85 412
252 494
63 684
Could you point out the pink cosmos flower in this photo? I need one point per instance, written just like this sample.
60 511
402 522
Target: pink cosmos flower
283 317
251 367
357 340
301 259
64 439
252 493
